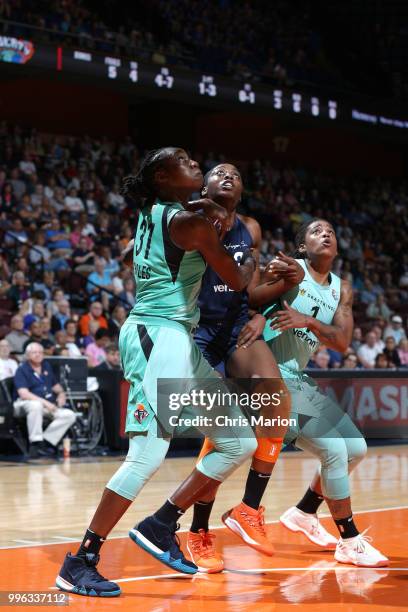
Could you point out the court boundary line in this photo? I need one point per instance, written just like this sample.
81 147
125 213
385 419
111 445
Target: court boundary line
255 571
120 537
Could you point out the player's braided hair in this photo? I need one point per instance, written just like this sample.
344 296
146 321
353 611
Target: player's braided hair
300 238
141 185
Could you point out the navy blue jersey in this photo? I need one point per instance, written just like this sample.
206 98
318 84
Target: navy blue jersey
217 302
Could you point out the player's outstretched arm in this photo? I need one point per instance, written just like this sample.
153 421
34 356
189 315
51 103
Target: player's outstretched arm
193 232
336 336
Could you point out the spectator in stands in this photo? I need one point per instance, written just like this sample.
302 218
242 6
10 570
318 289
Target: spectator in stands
27 166
128 293
368 295
16 235
395 329
350 361
403 352
36 335
378 331
8 366
336 359
95 314
391 351
37 313
73 203
111 264
17 337
19 186
62 315
115 199
112 361
117 319
71 328
38 394
19 290
379 309
57 297
98 279
46 329
382 362
40 254
357 339
369 351
84 341
46 285
95 352
62 344
320 360
83 257
58 239
83 229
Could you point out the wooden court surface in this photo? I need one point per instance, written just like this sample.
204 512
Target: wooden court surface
44 509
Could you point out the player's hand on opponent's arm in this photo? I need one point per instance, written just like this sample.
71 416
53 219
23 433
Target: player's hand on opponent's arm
289 318
126 255
251 331
284 267
214 212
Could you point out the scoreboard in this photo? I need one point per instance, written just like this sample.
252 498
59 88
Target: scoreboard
140 76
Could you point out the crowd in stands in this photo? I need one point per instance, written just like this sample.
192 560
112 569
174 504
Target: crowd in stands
64 224
277 42
256 40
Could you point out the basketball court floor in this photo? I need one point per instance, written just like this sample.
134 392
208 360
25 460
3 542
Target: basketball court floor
44 509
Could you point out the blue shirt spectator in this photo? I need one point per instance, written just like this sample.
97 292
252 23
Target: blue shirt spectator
39 384
57 238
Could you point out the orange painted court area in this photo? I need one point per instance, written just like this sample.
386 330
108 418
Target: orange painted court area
299 574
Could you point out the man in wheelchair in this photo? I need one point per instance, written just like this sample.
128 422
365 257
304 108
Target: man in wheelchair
38 395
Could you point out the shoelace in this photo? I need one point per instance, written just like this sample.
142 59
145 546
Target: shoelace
257 521
205 545
362 540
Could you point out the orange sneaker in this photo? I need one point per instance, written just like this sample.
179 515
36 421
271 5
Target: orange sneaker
201 547
249 524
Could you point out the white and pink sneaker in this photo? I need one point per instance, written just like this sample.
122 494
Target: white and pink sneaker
308 524
358 551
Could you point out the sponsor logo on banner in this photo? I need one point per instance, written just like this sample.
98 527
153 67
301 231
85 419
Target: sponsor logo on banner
371 403
15 50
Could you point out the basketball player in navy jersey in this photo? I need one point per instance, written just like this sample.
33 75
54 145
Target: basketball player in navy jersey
232 342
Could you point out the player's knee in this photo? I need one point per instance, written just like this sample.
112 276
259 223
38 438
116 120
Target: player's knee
357 449
238 449
335 455
247 447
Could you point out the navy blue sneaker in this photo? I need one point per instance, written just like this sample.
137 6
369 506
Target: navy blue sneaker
160 540
79 575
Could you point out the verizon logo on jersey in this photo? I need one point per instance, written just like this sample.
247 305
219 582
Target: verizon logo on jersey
221 288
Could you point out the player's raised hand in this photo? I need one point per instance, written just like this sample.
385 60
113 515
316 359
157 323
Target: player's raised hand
289 318
251 331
